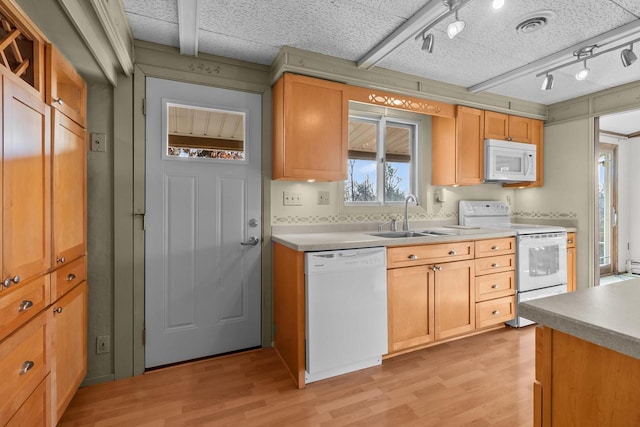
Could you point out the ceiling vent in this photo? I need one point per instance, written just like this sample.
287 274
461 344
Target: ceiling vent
534 21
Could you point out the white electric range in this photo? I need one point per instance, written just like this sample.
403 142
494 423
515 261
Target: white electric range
541 251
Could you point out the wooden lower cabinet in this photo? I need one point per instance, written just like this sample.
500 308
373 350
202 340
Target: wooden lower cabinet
69 344
454 299
410 307
579 383
37 408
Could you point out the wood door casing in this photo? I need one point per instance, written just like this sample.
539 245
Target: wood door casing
410 305
26 184
69 189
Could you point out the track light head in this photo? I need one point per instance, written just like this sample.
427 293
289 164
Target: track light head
583 73
497 4
627 56
454 28
547 84
427 43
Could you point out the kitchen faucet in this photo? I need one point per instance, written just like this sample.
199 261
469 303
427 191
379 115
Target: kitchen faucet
405 221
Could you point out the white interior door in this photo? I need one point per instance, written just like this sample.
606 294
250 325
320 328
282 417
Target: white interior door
203 223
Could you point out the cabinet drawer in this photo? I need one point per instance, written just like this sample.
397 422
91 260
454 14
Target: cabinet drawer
36 410
495 311
493 247
25 363
495 264
406 256
496 285
68 277
22 302
571 240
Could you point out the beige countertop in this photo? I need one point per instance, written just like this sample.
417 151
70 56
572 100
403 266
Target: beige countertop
363 239
604 315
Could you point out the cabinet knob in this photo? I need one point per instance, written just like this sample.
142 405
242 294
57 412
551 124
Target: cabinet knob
495 286
495 312
495 248
25 305
452 252
495 265
57 310
27 366
58 101
61 260
71 277
9 280
413 257
570 241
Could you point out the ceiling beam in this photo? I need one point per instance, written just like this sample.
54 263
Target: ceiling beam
429 13
188 22
629 30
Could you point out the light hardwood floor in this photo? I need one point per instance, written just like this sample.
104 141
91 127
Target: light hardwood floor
483 380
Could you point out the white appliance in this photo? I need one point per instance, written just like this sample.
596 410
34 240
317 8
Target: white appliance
508 161
346 307
541 251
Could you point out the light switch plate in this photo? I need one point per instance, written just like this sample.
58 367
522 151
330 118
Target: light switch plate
99 142
291 198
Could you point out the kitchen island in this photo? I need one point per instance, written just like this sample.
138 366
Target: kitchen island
587 356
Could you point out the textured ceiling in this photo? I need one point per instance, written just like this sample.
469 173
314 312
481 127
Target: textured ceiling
255 30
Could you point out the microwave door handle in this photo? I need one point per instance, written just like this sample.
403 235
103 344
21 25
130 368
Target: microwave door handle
529 164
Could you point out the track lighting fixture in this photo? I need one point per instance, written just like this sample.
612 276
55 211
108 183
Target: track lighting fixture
627 56
583 73
547 84
454 28
427 44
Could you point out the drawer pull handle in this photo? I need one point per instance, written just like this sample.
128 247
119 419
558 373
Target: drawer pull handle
570 241
71 277
413 257
495 248
8 281
25 305
452 252
495 312
495 265
57 310
436 268
57 101
27 366
496 286
61 260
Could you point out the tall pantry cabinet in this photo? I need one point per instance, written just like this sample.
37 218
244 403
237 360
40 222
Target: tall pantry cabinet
43 290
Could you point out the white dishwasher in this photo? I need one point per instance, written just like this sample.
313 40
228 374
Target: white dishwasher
346 303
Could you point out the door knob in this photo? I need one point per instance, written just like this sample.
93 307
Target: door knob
253 241
253 223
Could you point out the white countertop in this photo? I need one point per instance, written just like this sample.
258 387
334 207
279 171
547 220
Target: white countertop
363 239
608 316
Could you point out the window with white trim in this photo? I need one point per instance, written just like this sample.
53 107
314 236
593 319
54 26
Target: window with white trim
381 168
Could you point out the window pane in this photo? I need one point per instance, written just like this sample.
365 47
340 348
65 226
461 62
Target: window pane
205 133
361 182
397 178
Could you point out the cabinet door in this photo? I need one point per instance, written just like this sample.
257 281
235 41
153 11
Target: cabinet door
469 146
310 129
69 191
571 269
454 299
69 347
496 125
410 307
520 129
26 229
66 90
537 138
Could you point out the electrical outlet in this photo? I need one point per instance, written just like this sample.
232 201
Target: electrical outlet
291 198
103 344
98 142
323 197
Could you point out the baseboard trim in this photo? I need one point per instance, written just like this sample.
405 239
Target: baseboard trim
97 380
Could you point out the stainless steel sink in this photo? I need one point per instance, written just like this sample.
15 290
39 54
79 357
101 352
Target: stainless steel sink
405 234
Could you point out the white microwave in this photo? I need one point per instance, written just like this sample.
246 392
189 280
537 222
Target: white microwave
508 161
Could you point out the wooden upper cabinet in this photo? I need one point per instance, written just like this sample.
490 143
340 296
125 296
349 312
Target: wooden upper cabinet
69 189
310 129
537 138
458 148
26 198
507 127
66 90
